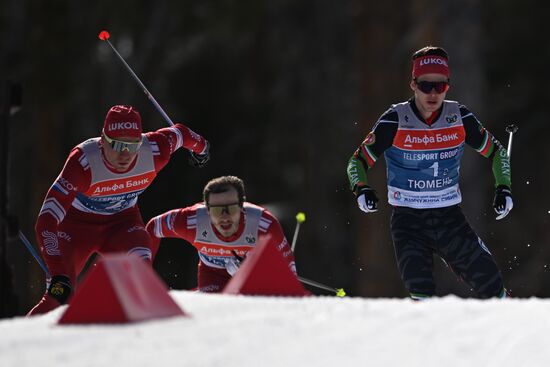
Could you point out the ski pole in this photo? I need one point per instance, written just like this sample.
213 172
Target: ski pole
33 252
340 292
104 36
510 129
300 218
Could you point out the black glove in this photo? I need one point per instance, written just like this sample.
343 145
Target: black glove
240 259
503 201
60 288
367 199
199 159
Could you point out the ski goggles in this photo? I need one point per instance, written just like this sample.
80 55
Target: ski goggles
218 210
121 146
427 87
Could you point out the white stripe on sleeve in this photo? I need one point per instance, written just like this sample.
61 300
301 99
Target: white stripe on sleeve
84 162
191 222
158 227
179 142
53 207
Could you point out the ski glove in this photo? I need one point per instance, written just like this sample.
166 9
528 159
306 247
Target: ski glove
199 159
60 288
367 200
233 264
503 201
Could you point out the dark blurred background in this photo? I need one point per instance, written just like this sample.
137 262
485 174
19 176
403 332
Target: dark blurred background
285 91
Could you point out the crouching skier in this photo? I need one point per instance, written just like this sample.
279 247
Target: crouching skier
223 229
92 205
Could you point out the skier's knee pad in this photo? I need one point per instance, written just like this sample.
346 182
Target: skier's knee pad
60 288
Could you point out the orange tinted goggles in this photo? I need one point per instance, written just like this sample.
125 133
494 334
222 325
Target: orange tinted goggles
218 210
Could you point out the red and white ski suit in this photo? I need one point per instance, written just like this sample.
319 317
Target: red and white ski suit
256 226
91 208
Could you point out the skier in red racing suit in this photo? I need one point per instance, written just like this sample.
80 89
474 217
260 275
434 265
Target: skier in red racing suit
224 225
92 205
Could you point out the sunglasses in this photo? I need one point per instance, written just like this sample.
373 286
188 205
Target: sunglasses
218 210
120 146
427 87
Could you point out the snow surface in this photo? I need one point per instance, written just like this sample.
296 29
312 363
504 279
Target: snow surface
223 330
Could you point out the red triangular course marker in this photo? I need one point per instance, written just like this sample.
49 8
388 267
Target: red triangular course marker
120 289
265 273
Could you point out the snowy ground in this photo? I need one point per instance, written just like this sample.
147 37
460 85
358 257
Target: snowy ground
241 331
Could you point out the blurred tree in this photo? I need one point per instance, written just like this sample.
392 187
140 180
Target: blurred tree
285 91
